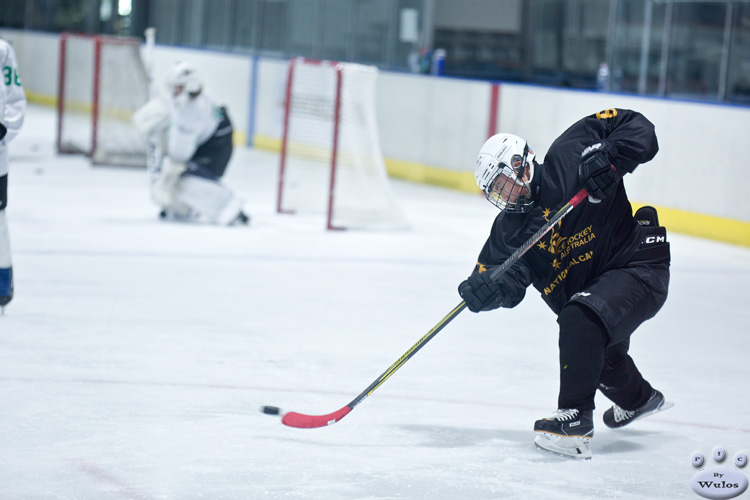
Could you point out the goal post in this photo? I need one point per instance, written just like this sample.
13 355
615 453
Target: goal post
102 81
331 161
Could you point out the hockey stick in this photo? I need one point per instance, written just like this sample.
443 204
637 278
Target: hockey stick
302 421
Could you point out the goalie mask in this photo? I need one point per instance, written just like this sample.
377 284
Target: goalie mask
505 167
183 83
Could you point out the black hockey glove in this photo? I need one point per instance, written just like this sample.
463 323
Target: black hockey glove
3 131
481 293
596 172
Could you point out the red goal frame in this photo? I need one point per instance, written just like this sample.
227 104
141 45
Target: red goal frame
338 68
98 41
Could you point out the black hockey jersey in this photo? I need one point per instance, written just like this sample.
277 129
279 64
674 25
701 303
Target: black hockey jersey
595 237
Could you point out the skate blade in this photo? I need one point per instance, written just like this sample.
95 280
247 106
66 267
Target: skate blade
665 406
569 447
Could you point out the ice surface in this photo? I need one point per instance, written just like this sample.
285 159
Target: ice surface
136 355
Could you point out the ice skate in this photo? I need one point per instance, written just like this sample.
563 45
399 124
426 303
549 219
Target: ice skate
567 432
242 220
617 417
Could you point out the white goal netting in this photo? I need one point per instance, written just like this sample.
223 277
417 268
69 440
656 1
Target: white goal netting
102 82
331 161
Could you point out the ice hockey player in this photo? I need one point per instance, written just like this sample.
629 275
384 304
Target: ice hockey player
196 135
602 270
12 111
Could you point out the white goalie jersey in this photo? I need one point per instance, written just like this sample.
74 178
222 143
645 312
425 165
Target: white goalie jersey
192 125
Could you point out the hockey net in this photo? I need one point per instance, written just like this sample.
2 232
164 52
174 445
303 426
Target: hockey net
102 82
331 161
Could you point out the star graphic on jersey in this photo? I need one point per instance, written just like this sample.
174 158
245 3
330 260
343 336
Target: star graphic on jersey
545 214
555 264
542 245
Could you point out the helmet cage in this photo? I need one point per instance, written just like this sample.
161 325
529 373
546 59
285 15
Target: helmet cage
507 189
182 82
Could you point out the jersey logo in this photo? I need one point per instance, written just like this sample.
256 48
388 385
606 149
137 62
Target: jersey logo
655 239
607 113
10 77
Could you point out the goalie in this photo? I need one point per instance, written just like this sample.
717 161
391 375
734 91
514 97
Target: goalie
197 136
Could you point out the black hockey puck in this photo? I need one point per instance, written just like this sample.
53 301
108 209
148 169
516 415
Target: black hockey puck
270 410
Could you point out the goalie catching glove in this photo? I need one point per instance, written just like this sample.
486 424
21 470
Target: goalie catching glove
482 293
163 189
596 172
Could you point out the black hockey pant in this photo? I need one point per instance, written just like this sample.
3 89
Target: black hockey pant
211 158
595 330
3 191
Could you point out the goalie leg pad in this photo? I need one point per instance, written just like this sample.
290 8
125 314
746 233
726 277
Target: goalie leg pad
210 200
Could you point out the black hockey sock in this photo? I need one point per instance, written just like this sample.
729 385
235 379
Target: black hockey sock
582 347
621 381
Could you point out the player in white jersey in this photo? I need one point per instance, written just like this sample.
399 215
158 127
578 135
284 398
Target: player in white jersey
12 110
197 136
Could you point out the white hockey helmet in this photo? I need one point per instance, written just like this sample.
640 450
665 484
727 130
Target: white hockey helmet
182 82
505 168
